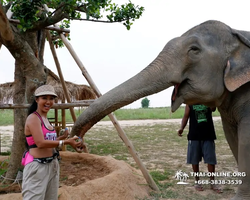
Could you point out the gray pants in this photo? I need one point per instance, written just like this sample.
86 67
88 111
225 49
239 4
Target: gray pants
41 181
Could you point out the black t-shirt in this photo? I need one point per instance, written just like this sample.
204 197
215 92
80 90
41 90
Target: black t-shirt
201 126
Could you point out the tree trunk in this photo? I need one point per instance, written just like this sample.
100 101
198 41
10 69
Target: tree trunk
18 142
29 74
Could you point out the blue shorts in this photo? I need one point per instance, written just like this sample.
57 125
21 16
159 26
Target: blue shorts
201 149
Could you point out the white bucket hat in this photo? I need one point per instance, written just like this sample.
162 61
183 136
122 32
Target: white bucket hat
45 90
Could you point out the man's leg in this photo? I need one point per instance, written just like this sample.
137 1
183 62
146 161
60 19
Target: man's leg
196 169
209 156
211 168
194 156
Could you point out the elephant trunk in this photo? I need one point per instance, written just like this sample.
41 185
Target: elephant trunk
149 81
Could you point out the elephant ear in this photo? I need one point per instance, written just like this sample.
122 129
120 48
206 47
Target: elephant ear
237 71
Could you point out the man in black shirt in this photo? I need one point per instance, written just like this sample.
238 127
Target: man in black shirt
201 138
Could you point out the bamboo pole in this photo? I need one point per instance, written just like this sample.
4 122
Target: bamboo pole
60 74
55 106
63 123
112 117
56 119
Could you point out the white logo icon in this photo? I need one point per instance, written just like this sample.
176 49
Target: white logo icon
181 176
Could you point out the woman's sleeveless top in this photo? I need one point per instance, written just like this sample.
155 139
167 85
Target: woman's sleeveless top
47 133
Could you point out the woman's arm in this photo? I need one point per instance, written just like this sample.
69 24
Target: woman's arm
33 127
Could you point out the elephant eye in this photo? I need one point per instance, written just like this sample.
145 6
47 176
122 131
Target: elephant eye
194 49
193 52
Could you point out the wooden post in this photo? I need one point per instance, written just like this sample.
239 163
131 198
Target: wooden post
60 74
64 148
55 106
56 120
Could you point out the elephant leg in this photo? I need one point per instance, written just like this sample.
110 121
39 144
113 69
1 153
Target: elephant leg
243 192
232 137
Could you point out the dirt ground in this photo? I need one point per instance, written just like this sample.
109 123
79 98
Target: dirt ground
91 177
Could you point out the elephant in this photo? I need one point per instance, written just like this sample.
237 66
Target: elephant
209 64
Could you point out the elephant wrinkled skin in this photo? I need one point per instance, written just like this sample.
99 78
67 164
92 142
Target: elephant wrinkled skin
209 64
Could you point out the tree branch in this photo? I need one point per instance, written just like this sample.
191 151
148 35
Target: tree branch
52 28
59 8
94 20
58 15
5 29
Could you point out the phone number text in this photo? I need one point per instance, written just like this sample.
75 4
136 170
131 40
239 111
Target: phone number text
219 182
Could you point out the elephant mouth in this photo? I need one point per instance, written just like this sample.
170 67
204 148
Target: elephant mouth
177 86
175 91
177 95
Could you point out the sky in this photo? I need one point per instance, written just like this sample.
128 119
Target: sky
111 54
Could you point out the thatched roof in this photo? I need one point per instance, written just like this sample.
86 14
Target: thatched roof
76 92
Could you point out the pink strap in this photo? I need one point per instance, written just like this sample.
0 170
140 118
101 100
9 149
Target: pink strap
39 116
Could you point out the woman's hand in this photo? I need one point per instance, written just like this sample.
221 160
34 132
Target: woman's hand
82 147
77 143
73 142
64 135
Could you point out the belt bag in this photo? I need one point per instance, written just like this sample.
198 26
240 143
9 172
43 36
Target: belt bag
46 159
27 158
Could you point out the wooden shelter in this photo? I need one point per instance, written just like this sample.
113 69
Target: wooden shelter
76 93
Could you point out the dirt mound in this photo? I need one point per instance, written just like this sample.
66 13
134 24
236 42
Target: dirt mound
92 177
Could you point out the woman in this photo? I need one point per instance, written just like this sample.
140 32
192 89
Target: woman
41 171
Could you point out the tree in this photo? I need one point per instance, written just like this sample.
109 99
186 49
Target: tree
145 103
24 35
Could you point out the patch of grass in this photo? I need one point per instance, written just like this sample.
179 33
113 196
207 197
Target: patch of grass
106 149
147 113
64 178
6 116
159 176
160 179
2 171
4 185
120 157
3 167
167 194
